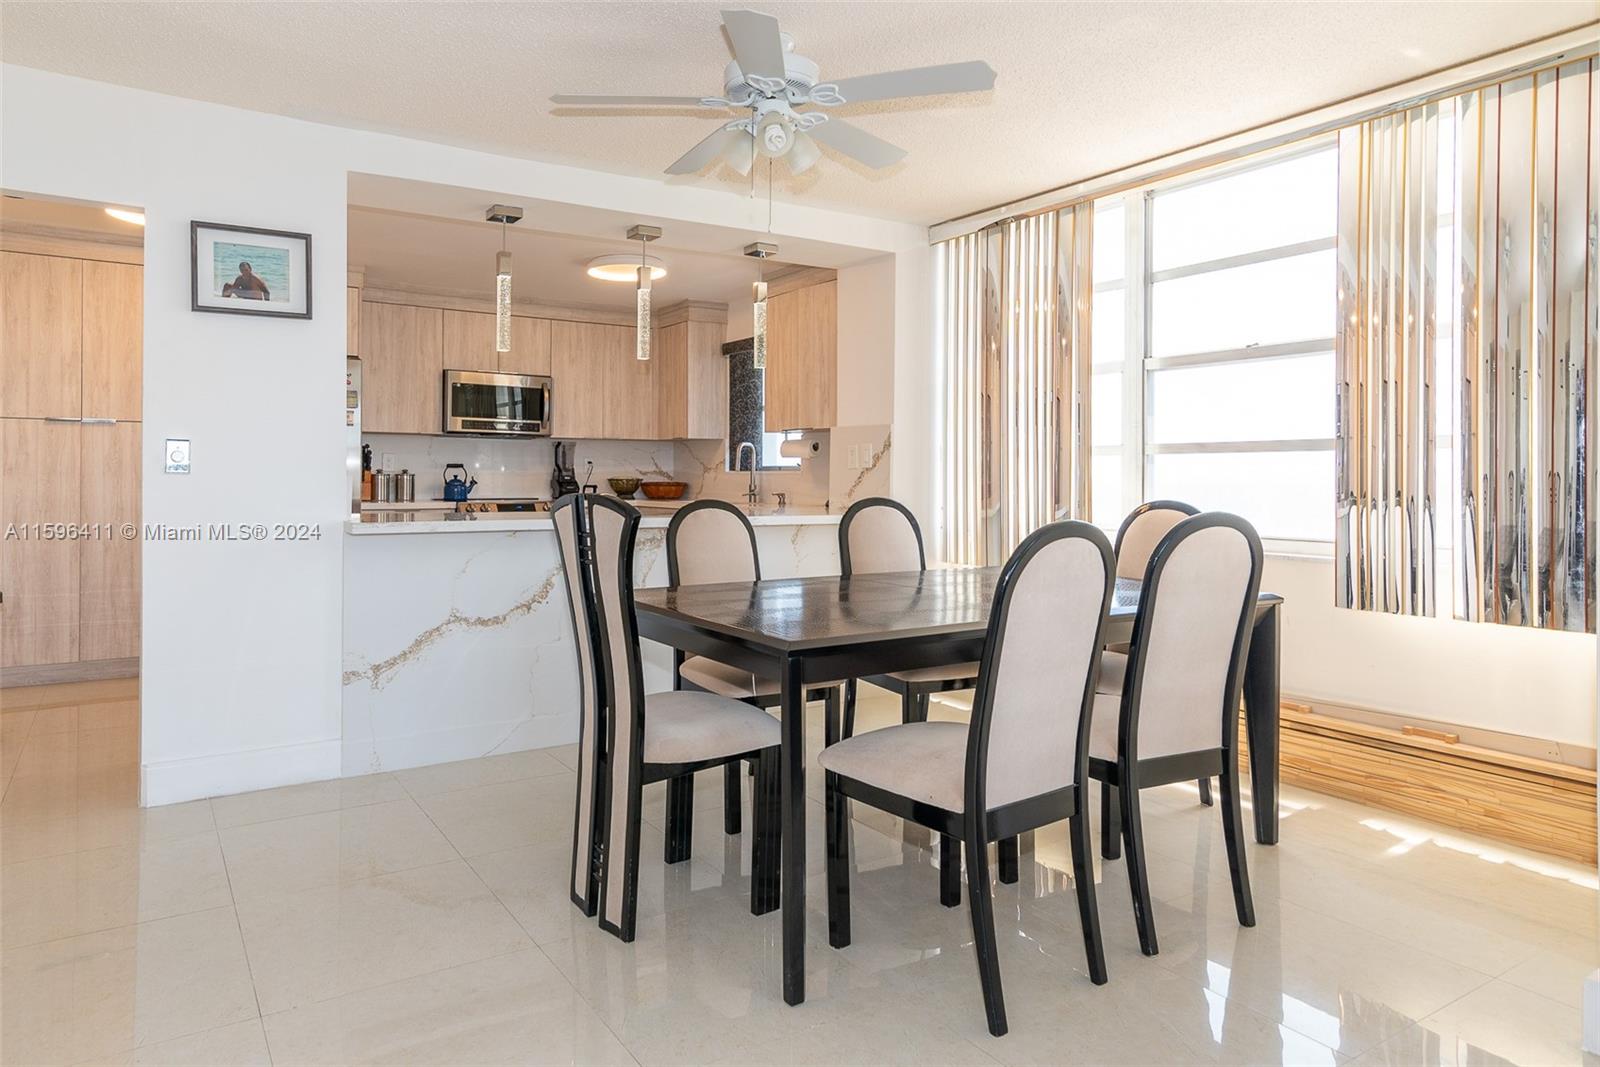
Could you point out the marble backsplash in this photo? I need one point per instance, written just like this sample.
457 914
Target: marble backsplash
520 467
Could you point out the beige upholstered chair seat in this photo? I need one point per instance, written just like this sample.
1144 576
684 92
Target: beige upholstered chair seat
954 672
1113 672
924 761
687 727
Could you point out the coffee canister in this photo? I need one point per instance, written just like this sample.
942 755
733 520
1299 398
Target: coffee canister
405 487
383 487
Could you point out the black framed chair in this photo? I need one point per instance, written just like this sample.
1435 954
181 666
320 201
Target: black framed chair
712 541
1022 763
1169 710
1137 538
628 739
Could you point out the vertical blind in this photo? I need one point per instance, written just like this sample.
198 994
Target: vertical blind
1014 333
1518 289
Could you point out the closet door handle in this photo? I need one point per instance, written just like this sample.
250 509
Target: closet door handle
62 418
98 422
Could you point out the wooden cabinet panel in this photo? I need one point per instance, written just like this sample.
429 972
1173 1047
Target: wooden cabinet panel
630 386
352 321
469 341
41 365
113 340
691 381
39 467
579 353
802 358
670 352
530 347
108 567
402 368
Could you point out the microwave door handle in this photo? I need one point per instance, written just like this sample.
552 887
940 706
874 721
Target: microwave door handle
549 406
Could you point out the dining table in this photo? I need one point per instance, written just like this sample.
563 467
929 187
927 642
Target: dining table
810 631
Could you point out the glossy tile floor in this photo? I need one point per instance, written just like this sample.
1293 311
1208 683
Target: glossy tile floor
421 917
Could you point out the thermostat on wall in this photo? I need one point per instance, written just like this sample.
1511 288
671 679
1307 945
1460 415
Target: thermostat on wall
177 455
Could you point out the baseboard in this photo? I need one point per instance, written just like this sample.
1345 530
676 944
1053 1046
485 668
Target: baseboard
81 671
1537 804
470 741
174 781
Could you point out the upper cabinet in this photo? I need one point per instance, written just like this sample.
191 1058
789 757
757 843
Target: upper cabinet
41 336
530 347
469 341
691 378
601 390
802 357
402 368
113 340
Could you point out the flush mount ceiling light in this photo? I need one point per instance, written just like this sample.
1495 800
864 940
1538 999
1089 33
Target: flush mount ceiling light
504 214
126 215
624 267
644 273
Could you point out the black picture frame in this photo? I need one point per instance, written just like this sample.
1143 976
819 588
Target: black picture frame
285 237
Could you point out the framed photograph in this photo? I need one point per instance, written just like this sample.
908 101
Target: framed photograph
246 271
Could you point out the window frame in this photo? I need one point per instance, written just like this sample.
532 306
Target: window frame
1137 451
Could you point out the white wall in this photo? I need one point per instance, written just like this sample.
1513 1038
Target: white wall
1507 678
242 641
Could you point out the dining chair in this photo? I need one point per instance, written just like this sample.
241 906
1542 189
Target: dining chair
629 739
1137 538
878 534
1019 765
1168 710
710 541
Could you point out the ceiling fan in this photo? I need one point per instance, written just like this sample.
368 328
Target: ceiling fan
771 81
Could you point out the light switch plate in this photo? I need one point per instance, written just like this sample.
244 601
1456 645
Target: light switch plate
853 458
177 455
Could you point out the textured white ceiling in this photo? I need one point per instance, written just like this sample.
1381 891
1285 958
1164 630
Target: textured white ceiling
1082 88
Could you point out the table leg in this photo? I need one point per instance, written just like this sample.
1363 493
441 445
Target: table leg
1261 673
791 690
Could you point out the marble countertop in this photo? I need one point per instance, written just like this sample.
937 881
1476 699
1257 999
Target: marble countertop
655 517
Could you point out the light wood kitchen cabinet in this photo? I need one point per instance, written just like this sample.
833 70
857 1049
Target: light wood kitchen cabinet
41 332
577 370
402 368
108 566
530 347
691 380
39 467
630 388
113 340
469 341
802 358
352 321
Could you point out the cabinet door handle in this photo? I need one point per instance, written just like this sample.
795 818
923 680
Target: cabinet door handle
98 422
62 418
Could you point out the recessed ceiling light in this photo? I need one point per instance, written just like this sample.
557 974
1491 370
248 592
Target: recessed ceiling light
624 268
135 217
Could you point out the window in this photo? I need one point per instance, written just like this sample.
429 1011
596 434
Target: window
1214 377
747 414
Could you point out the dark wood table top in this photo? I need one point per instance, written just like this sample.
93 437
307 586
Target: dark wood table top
795 614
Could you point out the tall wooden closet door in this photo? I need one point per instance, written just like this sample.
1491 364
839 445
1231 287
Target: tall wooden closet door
108 565
113 340
41 363
38 575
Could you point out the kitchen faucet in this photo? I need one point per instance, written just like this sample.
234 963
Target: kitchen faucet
752 494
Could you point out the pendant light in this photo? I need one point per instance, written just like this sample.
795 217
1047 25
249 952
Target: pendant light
505 215
644 235
758 299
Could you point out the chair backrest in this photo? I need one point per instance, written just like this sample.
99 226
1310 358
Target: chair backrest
571 521
878 534
614 528
1030 714
711 541
1143 529
1190 638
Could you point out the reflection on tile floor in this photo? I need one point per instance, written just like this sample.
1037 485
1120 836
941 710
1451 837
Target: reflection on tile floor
422 917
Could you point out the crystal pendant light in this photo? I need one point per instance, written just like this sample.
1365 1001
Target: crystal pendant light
758 298
504 215
644 235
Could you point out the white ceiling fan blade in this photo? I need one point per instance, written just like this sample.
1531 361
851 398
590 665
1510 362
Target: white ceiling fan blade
721 142
757 44
597 100
857 143
972 76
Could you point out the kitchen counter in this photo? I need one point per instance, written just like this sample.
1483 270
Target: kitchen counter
656 517
457 647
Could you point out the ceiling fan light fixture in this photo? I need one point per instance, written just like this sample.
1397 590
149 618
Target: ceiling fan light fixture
804 154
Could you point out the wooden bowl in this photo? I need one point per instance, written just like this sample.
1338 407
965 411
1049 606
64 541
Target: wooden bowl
664 490
623 487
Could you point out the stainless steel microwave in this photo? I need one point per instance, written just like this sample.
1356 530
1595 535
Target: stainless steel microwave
492 404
